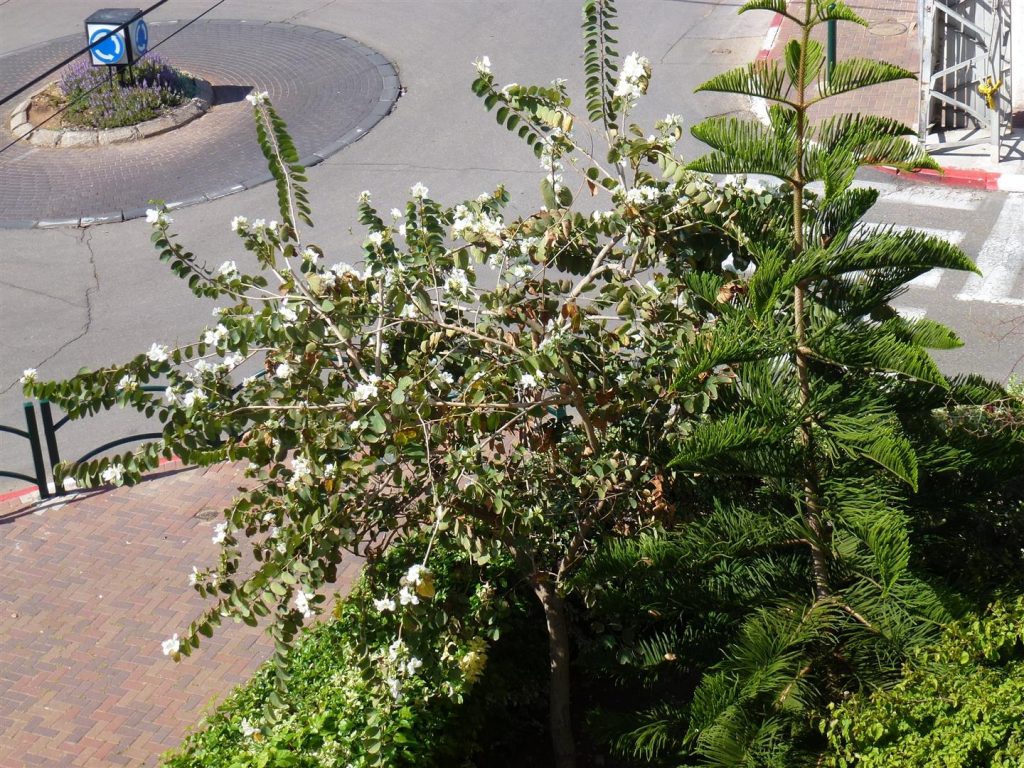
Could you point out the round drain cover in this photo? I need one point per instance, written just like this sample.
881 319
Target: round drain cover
887 28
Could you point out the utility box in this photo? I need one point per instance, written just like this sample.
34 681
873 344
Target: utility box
122 48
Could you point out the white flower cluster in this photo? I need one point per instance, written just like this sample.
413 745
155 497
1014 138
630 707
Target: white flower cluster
404 664
329 277
228 269
158 217
257 97
248 730
220 533
634 77
418 190
213 337
300 471
29 375
302 598
128 383
367 389
456 282
468 224
239 224
114 474
482 65
171 646
157 353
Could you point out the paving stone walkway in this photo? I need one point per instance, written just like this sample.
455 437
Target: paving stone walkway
329 88
89 588
891 35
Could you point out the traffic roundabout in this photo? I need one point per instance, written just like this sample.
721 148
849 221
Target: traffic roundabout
330 89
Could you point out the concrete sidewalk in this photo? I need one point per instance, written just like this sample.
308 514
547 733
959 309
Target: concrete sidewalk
89 587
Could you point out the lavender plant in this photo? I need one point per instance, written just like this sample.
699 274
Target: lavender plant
96 98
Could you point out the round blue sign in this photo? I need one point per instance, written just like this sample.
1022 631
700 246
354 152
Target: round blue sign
141 38
108 51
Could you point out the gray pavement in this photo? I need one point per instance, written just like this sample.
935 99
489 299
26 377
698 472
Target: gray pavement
72 298
329 88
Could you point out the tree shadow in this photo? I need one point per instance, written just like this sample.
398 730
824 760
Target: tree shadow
230 94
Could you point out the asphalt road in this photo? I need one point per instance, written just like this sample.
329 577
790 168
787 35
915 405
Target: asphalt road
84 297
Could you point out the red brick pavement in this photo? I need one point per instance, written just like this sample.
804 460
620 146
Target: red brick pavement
897 100
88 590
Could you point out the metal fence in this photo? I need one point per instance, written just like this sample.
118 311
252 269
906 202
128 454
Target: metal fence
36 439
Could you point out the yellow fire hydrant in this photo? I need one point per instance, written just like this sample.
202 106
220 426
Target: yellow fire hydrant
989 88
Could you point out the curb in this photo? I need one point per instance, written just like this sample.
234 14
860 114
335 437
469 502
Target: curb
386 103
969 178
31 490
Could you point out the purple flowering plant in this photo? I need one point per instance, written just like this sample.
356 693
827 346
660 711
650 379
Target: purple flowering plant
97 98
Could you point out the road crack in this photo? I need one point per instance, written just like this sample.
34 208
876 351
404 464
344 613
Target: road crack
85 238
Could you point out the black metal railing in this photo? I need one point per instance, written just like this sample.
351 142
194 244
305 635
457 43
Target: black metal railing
31 434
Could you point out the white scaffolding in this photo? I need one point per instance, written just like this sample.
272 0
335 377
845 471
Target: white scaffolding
965 73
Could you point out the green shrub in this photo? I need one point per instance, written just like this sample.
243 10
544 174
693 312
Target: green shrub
95 100
338 710
961 704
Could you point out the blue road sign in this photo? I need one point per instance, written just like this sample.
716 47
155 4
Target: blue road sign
108 51
141 38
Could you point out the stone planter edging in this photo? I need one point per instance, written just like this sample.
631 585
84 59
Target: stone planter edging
87 137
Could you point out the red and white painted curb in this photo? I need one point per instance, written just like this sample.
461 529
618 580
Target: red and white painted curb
971 178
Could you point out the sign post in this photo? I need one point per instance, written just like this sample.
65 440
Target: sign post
118 37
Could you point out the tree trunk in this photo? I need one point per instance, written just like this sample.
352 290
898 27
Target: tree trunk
559 697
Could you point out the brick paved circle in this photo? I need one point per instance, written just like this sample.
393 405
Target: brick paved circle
329 89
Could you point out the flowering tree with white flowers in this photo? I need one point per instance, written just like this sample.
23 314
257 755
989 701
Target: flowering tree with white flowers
531 387
507 383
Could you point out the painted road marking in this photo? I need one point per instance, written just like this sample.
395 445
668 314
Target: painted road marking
1000 258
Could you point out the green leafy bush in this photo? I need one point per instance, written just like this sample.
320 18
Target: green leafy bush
961 704
338 709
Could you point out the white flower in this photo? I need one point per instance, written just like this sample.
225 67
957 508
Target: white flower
395 213
415 574
409 311
248 730
412 665
70 484
257 97
227 269
214 337
29 375
128 383
172 645
193 397
157 353
384 605
300 471
232 360
364 196
154 216
330 470
395 686
483 65
356 425
418 190
220 532
302 599
114 474
272 226
193 578
310 255
367 389
457 282
396 649
239 223
283 371
248 381
528 380
288 314
377 238
634 77
407 597
171 396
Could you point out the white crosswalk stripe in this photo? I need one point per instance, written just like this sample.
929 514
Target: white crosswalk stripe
1001 258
